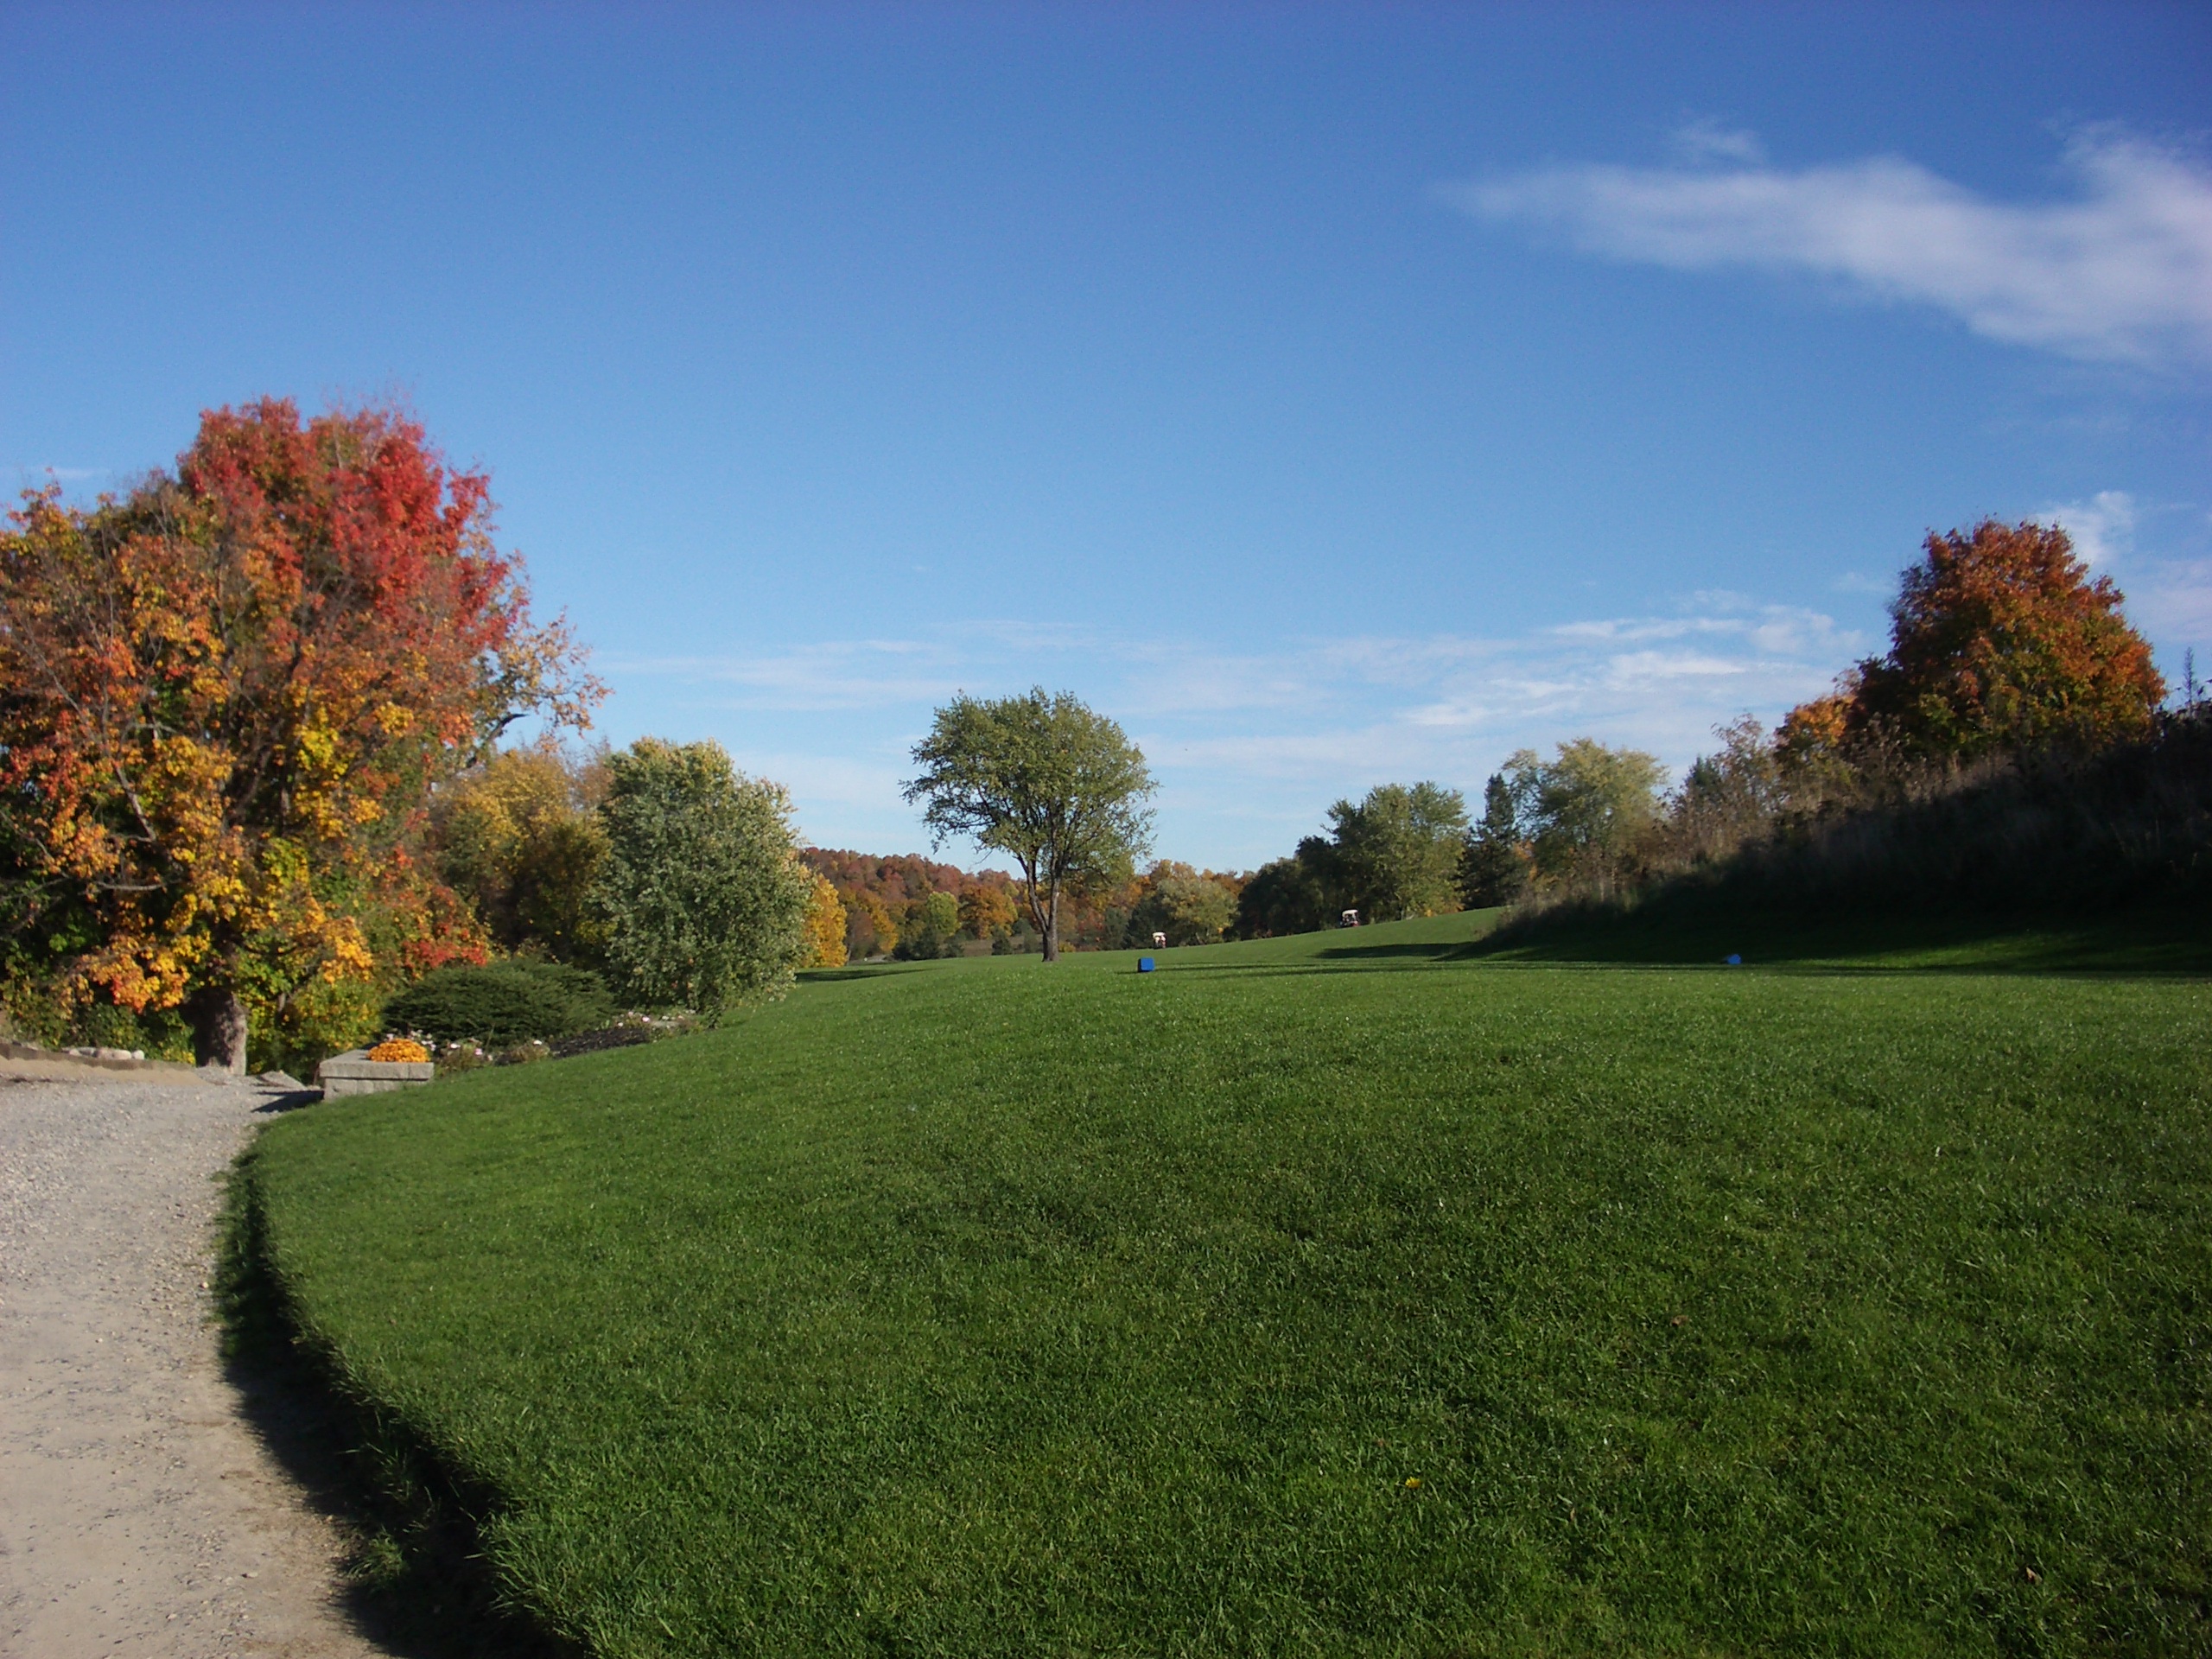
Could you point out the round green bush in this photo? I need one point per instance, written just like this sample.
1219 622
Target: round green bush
502 1003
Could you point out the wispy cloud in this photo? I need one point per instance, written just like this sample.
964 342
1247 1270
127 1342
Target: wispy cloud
2173 601
2168 584
846 675
1705 141
29 476
2102 528
1250 745
2121 270
834 675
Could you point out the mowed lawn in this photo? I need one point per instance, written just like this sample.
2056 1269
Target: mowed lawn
1285 1302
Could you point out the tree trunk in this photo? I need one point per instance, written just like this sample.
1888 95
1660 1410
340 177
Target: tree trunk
218 1031
1052 927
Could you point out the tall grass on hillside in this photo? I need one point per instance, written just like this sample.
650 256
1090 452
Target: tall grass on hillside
2021 837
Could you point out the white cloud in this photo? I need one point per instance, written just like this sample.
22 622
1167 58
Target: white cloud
1250 745
2121 271
1854 582
43 476
2168 585
834 780
2102 528
1641 669
2172 603
1705 141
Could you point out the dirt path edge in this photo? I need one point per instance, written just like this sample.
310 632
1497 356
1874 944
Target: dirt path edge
420 1580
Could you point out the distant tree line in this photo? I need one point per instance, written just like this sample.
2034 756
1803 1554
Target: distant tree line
1394 853
915 907
2010 750
2010 741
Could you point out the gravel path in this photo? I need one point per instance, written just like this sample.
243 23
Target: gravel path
139 1513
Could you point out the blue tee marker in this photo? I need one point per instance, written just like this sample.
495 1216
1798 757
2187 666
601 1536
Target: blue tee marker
1144 964
1735 962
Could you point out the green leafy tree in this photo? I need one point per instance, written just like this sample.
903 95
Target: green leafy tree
1190 906
700 894
1296 894
1399 849
931 928
1588 807
1493 868
1058 788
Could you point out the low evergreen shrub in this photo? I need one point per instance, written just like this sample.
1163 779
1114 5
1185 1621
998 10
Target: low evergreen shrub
503 1003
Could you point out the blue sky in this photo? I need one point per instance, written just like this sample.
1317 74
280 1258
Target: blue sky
1335 396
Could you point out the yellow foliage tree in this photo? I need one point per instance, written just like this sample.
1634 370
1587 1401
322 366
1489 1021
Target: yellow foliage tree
520 836
985 911
825 927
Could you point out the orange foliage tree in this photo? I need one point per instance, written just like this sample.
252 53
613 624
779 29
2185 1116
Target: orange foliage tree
225 700
2001 641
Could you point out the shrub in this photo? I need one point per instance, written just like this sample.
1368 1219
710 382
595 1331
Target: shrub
591 1042
701 892
459 1056
502 1004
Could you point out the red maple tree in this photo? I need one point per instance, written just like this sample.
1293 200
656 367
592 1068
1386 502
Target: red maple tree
2000 641
226 698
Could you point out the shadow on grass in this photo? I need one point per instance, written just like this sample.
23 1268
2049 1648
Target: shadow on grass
2162 945
832 975
290 1101
416 1581
1437 950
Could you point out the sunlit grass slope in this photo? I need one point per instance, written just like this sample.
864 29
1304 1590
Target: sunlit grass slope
1280 1302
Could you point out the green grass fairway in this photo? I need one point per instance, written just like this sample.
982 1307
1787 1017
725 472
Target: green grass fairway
1349 1294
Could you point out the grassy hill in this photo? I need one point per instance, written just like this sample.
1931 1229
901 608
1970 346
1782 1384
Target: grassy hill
1352 1293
